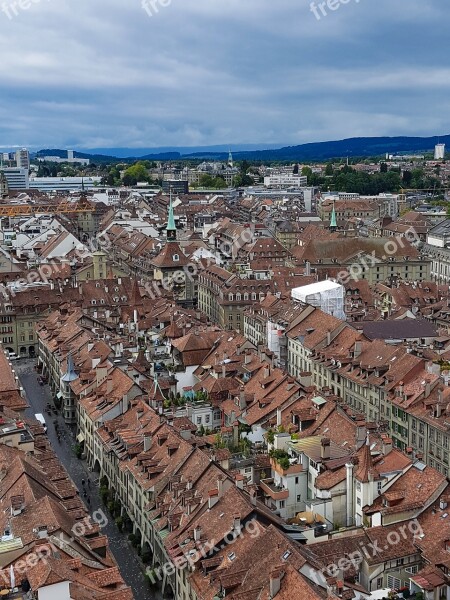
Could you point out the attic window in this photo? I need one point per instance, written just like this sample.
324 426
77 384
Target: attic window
232 556
102 301
93 301
286 555
176 257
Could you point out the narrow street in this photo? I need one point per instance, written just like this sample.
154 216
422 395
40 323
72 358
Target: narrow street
127 559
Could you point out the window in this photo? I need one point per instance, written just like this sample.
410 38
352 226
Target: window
199 420
379 583
394 583
413 570
296 480
207 419
281 504
176 258
299 498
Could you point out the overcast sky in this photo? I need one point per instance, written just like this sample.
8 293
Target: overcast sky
103 73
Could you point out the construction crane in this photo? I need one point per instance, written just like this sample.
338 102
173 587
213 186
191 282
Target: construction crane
19 210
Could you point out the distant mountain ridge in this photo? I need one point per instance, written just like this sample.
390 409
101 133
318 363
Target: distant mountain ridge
352 147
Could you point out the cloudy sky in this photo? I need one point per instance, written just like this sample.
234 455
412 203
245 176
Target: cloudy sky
109 73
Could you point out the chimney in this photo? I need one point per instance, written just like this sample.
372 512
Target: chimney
275 582
279 417
147 442
328 337
80 289
224 371
357 349
248 357
427 389
239 480
253 496
307 268
266 372
242 401
197 533
237 522
213 498
325 448
387 445
220 489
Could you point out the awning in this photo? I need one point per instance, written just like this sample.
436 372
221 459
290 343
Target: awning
80 438
59 395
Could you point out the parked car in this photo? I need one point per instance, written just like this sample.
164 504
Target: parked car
13 356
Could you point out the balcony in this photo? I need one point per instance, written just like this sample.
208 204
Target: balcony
276 492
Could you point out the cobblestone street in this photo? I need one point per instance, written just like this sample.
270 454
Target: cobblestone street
127 559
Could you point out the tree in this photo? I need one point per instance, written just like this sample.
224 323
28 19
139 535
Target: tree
407 178
383 168
307 172
244 167
329 170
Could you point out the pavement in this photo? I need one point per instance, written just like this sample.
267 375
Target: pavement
38 396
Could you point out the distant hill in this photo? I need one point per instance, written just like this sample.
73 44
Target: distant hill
352 147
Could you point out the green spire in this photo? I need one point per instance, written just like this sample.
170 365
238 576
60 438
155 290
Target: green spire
171 227
333 222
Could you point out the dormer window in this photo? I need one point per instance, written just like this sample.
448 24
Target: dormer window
230 297
176 258
93 301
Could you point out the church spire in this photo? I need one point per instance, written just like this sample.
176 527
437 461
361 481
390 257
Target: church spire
230 159
333 222
171 229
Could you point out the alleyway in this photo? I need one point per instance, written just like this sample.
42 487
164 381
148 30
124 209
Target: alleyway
126 557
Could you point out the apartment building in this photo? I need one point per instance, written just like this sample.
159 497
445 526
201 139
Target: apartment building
376 260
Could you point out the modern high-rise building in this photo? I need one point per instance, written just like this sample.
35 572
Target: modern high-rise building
23 159
439 152
17 178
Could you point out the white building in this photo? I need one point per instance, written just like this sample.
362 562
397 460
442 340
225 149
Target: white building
326 295
23 159
17 178
289 179
60 184
439 152
70 159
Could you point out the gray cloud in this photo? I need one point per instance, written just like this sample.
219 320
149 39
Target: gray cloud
89 73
